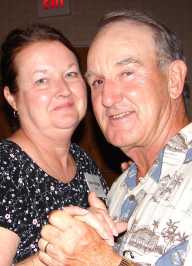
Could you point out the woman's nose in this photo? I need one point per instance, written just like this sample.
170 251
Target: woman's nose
63 88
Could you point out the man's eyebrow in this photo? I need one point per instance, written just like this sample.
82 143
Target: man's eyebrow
124 61
128 60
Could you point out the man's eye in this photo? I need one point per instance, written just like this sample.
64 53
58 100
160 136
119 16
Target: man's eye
97 83
127 73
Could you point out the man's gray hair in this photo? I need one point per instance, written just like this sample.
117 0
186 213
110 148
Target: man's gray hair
168 47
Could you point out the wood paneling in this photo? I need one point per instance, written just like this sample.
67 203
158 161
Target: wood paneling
5 128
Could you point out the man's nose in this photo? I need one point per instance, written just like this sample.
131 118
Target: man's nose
111 93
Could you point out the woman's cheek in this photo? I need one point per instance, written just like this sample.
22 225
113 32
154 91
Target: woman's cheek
44 98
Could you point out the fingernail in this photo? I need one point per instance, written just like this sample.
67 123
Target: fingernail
84 211
115 233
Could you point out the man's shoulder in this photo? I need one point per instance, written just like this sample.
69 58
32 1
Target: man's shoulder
120 181
118 190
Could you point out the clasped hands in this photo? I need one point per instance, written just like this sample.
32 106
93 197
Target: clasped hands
76 236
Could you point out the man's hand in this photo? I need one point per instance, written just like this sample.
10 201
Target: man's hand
101 221
125 165
73 242
98 217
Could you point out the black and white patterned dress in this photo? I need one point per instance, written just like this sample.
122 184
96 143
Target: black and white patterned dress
28 194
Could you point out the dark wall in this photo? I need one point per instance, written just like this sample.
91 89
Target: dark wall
79 27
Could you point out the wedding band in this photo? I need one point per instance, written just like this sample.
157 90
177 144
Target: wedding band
45 247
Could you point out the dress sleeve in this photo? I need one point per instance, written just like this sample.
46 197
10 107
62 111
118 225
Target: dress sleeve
8 197
13 192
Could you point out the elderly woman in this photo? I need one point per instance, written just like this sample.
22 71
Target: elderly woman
40 170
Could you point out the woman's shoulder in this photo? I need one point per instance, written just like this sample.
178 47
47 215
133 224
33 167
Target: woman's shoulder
6 143
9 150
81 156
9 165
78 152
83 159
14 163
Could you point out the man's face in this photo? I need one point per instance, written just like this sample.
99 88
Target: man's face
129 91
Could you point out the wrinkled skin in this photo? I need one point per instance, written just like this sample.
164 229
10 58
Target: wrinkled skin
73 242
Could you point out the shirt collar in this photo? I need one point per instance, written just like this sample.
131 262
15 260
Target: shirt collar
181 141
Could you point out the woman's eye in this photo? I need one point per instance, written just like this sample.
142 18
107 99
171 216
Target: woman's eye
72 74
41 81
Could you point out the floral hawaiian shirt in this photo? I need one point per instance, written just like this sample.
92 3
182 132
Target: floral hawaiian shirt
158 210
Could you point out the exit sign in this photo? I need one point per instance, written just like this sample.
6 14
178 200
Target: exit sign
47 8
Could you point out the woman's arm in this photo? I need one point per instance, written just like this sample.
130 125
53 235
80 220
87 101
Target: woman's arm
31 261
9 242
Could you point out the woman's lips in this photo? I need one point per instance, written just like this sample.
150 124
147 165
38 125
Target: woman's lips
63 106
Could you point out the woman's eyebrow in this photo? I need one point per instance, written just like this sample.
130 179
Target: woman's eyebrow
88 74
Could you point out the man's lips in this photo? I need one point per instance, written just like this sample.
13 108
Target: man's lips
121 115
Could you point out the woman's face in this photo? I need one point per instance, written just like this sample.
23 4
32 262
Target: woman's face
51 92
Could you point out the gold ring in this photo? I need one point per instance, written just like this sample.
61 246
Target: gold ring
45 247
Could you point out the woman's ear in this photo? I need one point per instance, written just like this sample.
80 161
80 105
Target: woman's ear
10 98
177 75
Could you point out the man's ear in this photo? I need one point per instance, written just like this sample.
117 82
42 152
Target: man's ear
10 98
177 75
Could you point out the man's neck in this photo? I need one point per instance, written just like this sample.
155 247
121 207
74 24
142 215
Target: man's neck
144 157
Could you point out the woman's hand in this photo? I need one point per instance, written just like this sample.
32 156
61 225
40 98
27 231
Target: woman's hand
69 239
98 218
70 242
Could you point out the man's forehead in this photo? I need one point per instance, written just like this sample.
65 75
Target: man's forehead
117 32
124 26
120 41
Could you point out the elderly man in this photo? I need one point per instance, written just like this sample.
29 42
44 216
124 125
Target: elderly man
136 72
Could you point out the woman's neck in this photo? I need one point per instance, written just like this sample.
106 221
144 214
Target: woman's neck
52 156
